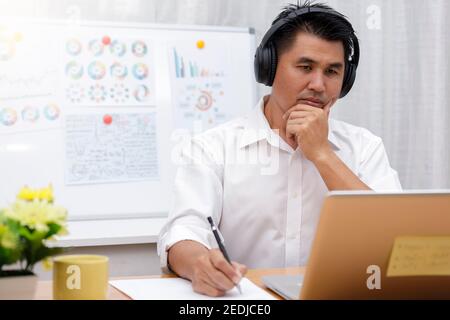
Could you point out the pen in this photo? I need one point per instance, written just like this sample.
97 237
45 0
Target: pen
221 243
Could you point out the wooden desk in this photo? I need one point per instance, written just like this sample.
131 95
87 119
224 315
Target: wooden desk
44 289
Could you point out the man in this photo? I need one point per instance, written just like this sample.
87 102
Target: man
268 219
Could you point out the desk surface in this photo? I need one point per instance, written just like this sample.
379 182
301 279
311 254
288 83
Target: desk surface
44 288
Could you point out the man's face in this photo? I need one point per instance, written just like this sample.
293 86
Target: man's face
310 72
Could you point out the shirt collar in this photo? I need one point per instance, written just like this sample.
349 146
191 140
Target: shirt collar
257 128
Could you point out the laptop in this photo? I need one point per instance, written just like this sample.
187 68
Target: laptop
354 240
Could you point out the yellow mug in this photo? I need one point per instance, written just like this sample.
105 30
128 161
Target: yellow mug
80 277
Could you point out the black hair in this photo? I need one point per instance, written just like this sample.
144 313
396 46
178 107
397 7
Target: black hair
326 26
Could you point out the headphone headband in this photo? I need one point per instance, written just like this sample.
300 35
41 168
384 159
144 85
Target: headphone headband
299 12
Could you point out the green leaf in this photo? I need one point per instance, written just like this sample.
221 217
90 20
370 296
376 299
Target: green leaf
53 229
9 256
41 253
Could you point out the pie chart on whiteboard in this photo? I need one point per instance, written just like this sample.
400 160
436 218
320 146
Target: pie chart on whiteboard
204 101
200 102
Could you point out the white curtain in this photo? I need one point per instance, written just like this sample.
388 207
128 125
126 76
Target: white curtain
402 87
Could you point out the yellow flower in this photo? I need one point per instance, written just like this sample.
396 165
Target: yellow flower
37 214
29 194
8 239
45 194
47 264
26 193
26 226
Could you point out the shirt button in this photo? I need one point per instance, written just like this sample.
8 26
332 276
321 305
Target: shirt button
294 195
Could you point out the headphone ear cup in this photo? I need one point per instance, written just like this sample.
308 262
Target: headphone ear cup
257 65
265 64
349 79
272 62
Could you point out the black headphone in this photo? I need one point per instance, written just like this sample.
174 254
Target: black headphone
266 54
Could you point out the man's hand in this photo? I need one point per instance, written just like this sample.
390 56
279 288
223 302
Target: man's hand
213 275
307 127
208 270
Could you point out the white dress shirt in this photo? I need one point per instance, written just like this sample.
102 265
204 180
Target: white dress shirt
264 196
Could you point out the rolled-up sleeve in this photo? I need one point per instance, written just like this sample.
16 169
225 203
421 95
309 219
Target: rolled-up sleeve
375 170
197 194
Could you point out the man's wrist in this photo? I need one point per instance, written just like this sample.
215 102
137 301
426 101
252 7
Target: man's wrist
323 157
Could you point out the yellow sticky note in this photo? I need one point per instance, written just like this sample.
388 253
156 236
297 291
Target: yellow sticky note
420 256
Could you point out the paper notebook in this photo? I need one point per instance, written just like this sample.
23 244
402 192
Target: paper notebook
181 289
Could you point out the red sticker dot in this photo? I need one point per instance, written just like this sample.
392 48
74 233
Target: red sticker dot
107 119
106 40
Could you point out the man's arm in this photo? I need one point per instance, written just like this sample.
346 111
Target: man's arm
184 241
336 174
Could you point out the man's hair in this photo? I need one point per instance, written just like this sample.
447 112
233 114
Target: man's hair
326 26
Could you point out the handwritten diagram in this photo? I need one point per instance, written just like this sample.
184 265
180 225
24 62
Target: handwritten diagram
111 148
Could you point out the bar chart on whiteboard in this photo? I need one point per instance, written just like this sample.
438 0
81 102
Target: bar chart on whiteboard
201 85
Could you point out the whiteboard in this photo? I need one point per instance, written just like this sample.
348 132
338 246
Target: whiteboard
97 108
